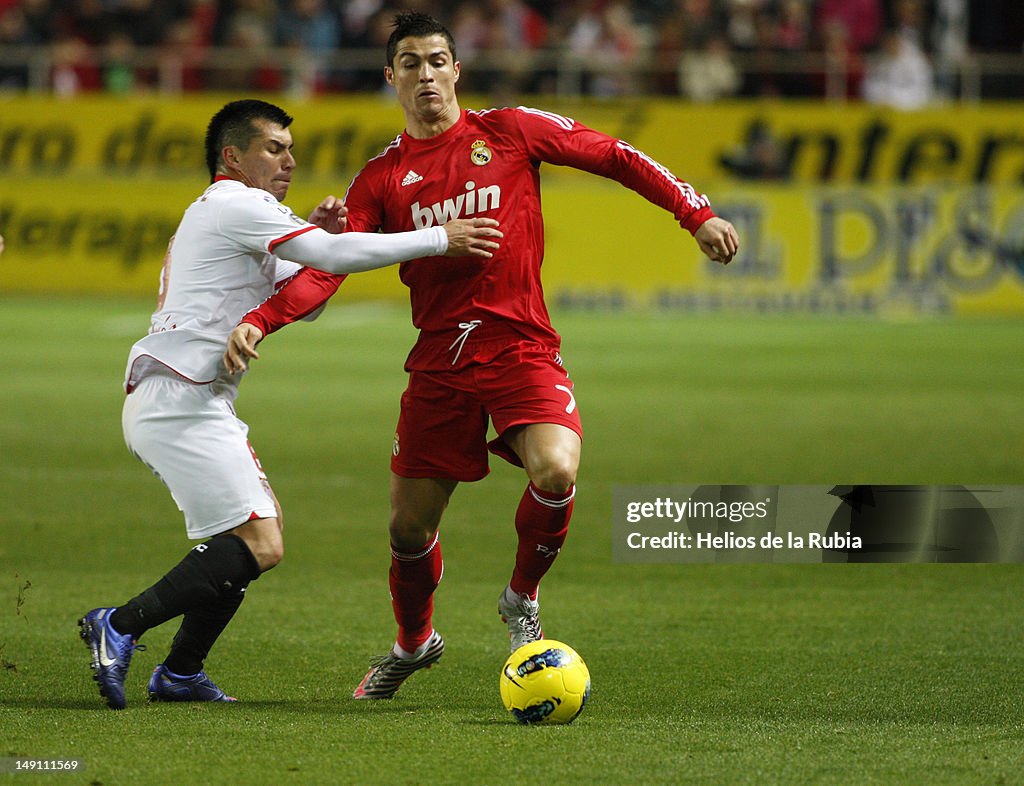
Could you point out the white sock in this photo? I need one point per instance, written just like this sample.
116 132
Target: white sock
406 655
511 596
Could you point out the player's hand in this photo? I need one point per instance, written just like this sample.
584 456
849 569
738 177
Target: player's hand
1 244
474 237
331 215
242 347
718 240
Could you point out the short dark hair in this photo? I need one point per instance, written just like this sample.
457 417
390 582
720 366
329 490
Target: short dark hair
414 24
234 124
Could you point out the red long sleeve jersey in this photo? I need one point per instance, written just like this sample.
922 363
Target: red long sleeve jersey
488 165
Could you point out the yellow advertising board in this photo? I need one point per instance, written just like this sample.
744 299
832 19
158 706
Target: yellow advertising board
805 142
855 249
838 207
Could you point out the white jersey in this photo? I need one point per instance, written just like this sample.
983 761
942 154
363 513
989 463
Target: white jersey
220 264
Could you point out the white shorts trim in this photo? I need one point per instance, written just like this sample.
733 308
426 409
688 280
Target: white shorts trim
192 440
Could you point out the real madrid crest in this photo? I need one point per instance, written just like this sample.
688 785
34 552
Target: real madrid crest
479 153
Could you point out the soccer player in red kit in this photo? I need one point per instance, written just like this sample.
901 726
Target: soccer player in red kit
486 348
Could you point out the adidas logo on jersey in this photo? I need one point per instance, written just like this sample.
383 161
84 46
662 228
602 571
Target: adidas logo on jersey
410 178
475 200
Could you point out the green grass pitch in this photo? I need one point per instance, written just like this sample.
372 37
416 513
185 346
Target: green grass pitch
709 674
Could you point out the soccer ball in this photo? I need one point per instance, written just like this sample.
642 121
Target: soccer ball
545 681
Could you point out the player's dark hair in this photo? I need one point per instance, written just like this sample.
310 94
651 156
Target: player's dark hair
234 124
414 24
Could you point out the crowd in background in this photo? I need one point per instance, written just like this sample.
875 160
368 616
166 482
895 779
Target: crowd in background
903 53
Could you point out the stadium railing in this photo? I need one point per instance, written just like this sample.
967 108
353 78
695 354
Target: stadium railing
973 78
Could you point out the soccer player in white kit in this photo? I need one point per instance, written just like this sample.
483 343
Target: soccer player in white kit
235 243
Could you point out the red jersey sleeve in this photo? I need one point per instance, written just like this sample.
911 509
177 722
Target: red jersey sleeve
300 296
559 140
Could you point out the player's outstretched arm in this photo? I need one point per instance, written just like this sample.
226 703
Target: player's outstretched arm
355 252
476 237
718 240
242 347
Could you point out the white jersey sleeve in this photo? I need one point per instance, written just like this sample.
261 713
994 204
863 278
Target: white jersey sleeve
355 252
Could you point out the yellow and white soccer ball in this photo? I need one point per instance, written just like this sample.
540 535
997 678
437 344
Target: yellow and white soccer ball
545 681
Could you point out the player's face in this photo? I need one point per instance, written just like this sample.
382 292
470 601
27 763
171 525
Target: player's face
267 163
424 74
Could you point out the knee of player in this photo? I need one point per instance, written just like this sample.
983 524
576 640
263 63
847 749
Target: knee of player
557 474
410 533
275 554
269 553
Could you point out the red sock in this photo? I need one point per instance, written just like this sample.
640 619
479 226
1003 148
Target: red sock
542 522
413 579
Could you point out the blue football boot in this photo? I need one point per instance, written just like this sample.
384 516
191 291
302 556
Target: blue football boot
165 685
111 654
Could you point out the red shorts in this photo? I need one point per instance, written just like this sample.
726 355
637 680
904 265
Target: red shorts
442 429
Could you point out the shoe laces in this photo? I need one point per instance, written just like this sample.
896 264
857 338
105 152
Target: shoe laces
381 665
383 660
131 649
126 645
529 623
124 658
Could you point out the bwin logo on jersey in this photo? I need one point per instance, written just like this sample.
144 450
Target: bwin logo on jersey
475 200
